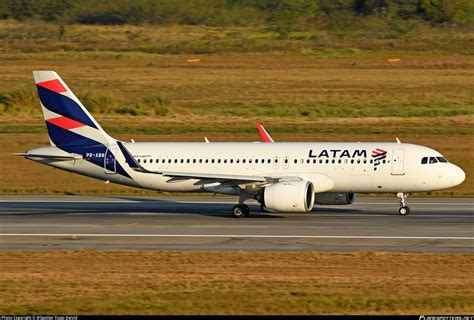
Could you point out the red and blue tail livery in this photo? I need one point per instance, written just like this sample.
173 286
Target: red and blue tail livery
67 120
71 127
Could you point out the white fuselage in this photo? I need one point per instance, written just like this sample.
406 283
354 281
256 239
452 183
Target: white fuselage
331 167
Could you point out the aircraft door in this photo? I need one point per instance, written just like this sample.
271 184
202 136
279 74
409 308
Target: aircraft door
398 166
110 165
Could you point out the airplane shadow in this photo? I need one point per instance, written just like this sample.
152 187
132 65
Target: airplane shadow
136 206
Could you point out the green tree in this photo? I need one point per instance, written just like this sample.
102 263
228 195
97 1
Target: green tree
287 15
454 11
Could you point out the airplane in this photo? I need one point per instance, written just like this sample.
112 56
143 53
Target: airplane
281 176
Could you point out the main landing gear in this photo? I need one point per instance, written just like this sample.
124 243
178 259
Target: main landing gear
241 210
404 209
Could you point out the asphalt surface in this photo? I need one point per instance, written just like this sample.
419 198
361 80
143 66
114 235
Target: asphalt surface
205 223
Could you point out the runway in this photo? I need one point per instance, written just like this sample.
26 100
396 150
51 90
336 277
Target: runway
205 223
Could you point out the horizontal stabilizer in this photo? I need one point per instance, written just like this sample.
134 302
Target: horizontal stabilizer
48 156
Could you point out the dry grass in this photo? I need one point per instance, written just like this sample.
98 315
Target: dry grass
267 86
365 40
133 282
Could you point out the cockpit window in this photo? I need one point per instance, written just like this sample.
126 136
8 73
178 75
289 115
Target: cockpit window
432 160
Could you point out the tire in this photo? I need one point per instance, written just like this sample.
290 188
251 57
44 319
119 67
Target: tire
246 210
238 211
404 211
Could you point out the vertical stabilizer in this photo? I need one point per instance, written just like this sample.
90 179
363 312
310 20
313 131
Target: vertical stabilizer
67 120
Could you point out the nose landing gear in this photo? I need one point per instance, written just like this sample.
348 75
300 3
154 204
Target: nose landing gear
404 209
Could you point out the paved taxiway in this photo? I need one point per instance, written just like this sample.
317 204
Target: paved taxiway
205 223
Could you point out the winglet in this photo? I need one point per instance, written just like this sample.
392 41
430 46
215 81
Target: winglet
264 135
398 140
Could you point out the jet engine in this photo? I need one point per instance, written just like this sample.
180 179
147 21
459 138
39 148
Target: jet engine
335 198
289 196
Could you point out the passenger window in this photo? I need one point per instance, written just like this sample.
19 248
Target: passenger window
339 161
175 160
327 160
442 159
243 160
187 160
333 161
250 160
314 160
218 160
320 160
269 161
212 161
206 161
307 161
231 160
237 161
156 161
433 160
144 160
169 160
163 161
138 160
200 160
225 160
256 160
182 160
296 161
352 161
286 161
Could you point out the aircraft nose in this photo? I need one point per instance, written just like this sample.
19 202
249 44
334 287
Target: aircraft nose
457 175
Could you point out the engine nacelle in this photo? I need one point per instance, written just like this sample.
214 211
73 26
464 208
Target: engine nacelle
289 196
335 198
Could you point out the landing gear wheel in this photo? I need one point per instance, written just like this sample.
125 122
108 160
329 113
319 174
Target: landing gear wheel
246 210
262 207
238 211
404 211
